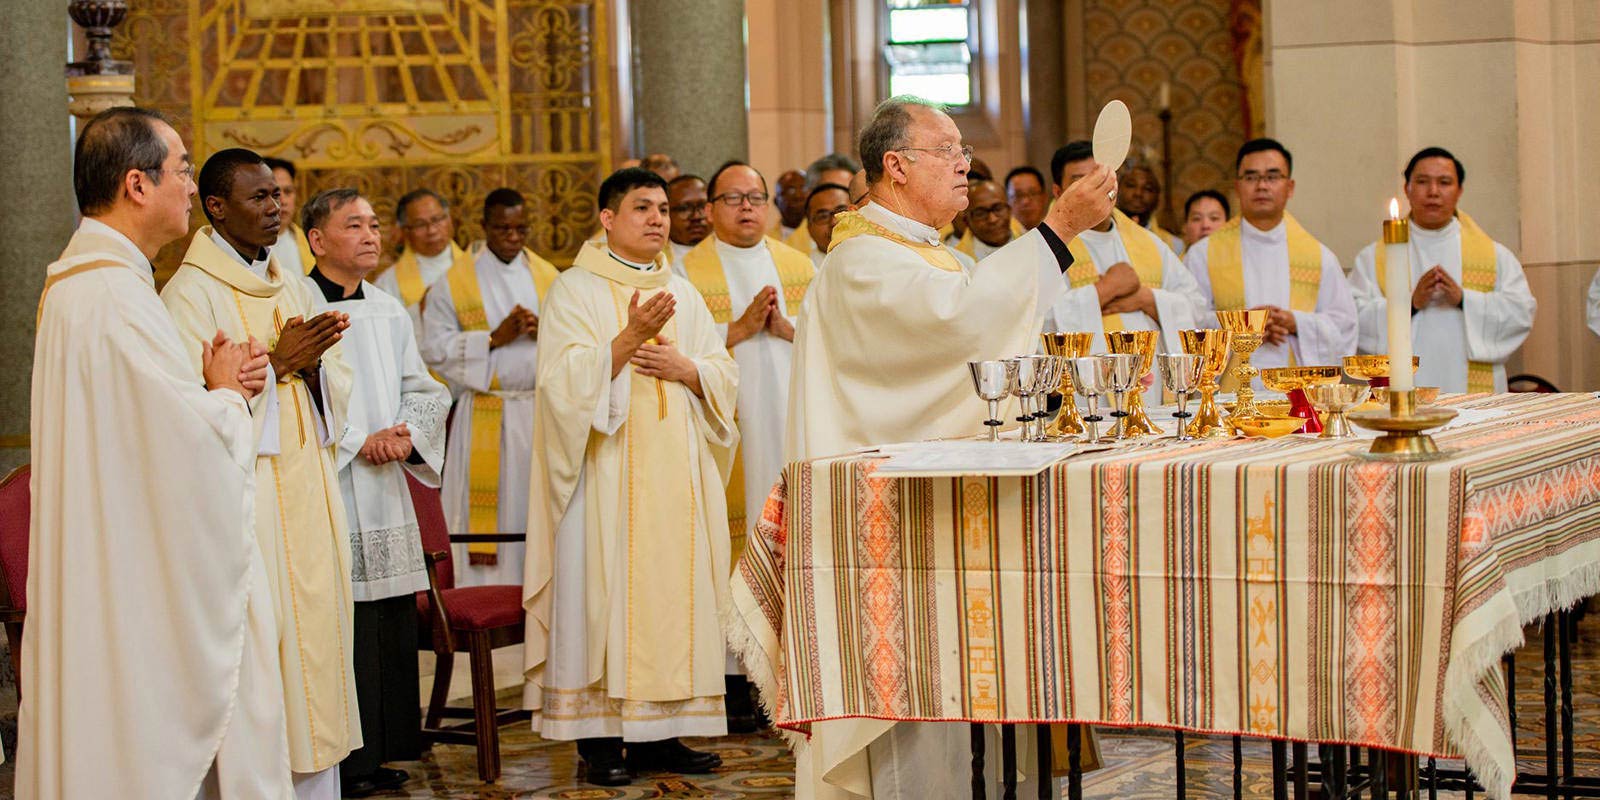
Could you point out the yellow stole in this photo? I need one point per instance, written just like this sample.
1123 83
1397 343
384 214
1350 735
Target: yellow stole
483 458
851 224
801 240
1144 256
704 269
1479 271
1225 263
301 243
408 273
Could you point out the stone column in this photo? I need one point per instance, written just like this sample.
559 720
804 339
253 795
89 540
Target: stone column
1357 88
689 81
37 211
790 124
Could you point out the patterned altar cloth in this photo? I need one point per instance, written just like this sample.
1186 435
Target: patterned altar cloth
1275 588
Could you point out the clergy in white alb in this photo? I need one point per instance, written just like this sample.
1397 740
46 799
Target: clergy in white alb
430 251
823 207
1470 303
292 248
691 218
1265 259
989 224
395 426
1138 197
229 281
480 333
1123 278
753 285
627 567
150 654
880 356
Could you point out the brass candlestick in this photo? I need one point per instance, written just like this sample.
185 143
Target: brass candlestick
1402 424
1248 327
1141 344
1068 421
1211 345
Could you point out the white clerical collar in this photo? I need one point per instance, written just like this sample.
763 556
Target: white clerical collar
98 228
1277 233
650 267
488 257
905 226
1093 235
1450 229
728 248
438 262
258 267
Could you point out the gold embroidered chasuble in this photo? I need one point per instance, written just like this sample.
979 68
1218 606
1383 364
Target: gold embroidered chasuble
299 514
648 529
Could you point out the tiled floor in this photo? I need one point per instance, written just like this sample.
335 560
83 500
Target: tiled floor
1139 764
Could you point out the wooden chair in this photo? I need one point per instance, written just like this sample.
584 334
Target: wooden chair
476 618
15 505
1529 383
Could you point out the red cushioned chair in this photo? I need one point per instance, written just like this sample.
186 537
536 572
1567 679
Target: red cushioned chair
15 502
481 618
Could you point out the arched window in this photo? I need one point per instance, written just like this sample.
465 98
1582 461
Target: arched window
928 49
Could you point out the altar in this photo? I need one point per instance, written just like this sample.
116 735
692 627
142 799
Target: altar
1277 588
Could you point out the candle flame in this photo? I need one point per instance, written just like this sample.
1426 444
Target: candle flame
1394 208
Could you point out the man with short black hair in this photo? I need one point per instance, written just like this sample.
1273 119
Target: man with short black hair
831 168
1264 259
627 571
292 247
1139 197
1470 304
989 220
790 200
151 649
430 250
231 281
823 207
1204 212
691 217
1029 196
480 333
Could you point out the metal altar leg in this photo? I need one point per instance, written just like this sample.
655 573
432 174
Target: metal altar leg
1568 634
1301 765
1047 778
1378 773
1008 762
1182 770
978 792
1510 661
1433 778
1075 762
1551 735
1280 777
1238 768
1334 783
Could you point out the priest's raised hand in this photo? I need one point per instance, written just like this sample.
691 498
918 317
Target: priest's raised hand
302 342
644 323
1085 203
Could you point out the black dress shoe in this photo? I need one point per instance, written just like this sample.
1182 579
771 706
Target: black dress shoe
382 779
607 772
670 755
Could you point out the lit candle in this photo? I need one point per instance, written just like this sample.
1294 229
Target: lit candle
1166 95
1397 288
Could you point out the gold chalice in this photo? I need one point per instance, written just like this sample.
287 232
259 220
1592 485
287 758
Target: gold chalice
1293 381
1336 398
1143 345
1374 369
1068 421
1211 344
1248 327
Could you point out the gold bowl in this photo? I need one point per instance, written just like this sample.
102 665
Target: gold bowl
1367 367
1287 379
1275 409
1269 427
1426 395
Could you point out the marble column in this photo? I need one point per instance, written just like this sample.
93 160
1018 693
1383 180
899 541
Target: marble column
689 81
1356 88
37 211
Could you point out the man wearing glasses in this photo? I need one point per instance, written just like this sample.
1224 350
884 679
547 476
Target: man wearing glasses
988 220
430 251
880 356
480 332
823 206
1265 259
690 215
753 285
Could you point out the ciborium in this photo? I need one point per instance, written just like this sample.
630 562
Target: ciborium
1248 326
1292 381
1141 344
1211 344
1374 369
1068 421
1336 398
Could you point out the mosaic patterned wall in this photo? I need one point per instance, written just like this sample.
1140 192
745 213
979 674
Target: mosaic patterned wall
461 96
1135 45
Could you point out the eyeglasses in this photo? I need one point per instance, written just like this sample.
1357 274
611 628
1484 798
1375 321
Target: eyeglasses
822 215
1272 178
690 209
186 171
735 199
986 212
431 222
945 152
1018 195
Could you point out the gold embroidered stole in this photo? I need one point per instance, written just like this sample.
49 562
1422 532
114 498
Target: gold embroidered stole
408 273
1225 265
851 224
1479 271
801 240
488 409
704 269
1143 255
